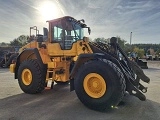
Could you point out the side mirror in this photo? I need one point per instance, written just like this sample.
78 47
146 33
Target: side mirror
89 30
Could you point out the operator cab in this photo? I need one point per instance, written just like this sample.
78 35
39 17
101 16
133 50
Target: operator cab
66 31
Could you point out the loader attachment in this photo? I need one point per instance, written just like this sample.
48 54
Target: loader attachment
133 73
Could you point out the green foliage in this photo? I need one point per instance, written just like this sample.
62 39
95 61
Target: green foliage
20 41
15 42
3 44
140 52
146 47
158 52
101 40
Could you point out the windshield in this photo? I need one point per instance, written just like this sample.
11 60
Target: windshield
68 28
66 31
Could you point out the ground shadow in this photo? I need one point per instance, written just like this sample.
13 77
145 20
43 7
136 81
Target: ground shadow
61 104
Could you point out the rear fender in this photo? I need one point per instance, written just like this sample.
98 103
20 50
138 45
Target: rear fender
31 53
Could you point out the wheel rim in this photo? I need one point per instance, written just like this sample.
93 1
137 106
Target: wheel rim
26 77
94 85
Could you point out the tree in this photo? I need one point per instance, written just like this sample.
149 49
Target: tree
147 47
23 39
15 42
20 41
103 40
158 52
140 52
3 44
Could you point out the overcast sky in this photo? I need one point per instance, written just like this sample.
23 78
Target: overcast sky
106 18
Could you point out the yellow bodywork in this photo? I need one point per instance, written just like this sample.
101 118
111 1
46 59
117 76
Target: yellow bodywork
12 68
63 44
32 44
55 58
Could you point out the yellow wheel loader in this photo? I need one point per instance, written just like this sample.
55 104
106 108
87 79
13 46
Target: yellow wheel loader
99 73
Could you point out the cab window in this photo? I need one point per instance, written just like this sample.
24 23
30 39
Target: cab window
65 33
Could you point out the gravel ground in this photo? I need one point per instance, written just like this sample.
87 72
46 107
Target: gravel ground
60 104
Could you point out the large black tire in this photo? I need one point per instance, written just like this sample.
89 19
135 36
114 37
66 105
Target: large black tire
108 92
30 77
